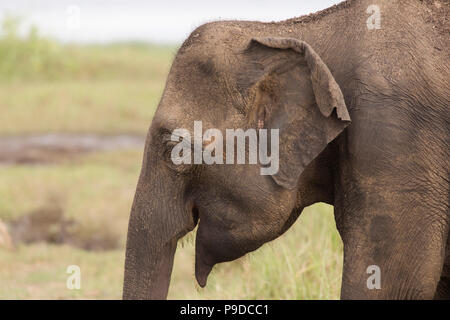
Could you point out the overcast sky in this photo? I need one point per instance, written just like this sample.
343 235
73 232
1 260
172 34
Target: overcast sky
162 21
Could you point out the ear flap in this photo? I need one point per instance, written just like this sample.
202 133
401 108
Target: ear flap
295 92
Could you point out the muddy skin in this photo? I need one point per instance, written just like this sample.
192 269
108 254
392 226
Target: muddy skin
363 116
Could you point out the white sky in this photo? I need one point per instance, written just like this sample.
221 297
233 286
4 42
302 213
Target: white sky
163 21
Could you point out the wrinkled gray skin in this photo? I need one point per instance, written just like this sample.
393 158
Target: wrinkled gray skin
364 125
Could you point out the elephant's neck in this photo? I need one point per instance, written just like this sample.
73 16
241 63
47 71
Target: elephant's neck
316 181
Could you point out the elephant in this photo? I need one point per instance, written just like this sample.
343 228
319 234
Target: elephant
360 97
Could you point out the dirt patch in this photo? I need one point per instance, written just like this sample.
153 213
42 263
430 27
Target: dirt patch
48 148
48 224
5 238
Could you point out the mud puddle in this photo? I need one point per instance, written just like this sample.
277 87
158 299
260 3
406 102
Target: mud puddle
48 148
48 224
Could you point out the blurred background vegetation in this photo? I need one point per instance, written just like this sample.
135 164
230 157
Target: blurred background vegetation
61 205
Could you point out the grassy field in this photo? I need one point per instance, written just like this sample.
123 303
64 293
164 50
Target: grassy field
48 87
77 106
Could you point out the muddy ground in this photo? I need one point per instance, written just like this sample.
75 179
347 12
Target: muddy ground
48 223
49 148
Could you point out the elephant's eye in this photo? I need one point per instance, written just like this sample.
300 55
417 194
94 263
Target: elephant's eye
176 159
168 146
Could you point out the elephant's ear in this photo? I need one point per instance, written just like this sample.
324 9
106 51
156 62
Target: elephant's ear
291 89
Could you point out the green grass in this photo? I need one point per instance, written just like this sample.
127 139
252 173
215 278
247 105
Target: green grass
49 87
46 86
39 272
79 106
35 58
303 264
95 190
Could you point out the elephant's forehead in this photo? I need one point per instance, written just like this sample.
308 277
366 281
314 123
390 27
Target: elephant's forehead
200 84
193 99
184 116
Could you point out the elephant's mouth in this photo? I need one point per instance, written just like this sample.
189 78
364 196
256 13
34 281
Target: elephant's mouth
215 244
202 269
203 260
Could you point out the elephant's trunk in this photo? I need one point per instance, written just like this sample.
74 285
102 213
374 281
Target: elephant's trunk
159 217
148 267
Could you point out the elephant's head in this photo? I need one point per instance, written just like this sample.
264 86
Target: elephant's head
229 82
